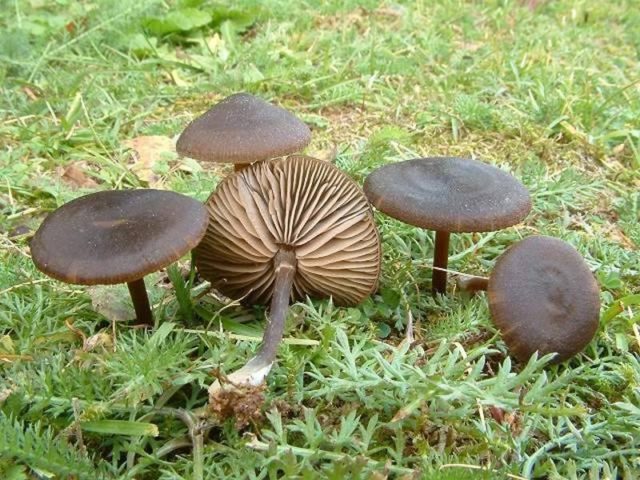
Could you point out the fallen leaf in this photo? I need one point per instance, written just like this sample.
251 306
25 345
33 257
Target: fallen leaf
152 155
328 154
74 175
100 340
6 344
112 301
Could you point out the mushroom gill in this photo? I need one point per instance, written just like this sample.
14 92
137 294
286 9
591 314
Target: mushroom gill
284 229
298 204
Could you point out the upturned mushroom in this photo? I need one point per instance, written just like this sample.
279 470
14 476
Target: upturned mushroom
118 237
544 298
448 195
285 229
243 129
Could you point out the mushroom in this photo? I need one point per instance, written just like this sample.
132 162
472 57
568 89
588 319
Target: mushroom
288 228
448 195
243 129
116 237
544 298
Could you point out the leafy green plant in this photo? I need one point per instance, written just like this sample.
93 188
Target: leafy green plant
192 16
34 447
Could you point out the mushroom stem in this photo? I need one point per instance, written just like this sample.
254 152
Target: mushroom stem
440 261
285 268
141 305
473 284
255 370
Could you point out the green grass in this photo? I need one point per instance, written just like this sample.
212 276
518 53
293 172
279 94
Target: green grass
552 95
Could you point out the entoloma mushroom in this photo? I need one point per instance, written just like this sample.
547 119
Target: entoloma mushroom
118 237
544 298
448 195
243 129
288 228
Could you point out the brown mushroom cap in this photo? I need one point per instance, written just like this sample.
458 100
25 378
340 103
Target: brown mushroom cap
544 298
243 129
448 194
297 204
117 236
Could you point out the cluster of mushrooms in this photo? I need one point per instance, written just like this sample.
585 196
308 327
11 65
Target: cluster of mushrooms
284 226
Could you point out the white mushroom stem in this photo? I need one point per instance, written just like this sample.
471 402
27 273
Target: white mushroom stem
254 372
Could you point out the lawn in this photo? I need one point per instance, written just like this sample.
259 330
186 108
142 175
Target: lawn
549 92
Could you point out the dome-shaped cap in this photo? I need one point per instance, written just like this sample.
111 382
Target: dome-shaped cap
243 129
117 236
300 204
448 194
544 298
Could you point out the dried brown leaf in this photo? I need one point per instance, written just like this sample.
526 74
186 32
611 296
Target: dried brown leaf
328 153
112 301
75 176
100 340
152 153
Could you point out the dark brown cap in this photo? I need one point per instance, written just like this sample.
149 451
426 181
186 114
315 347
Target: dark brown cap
448 194
299 204
117 236
544 298
243 129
